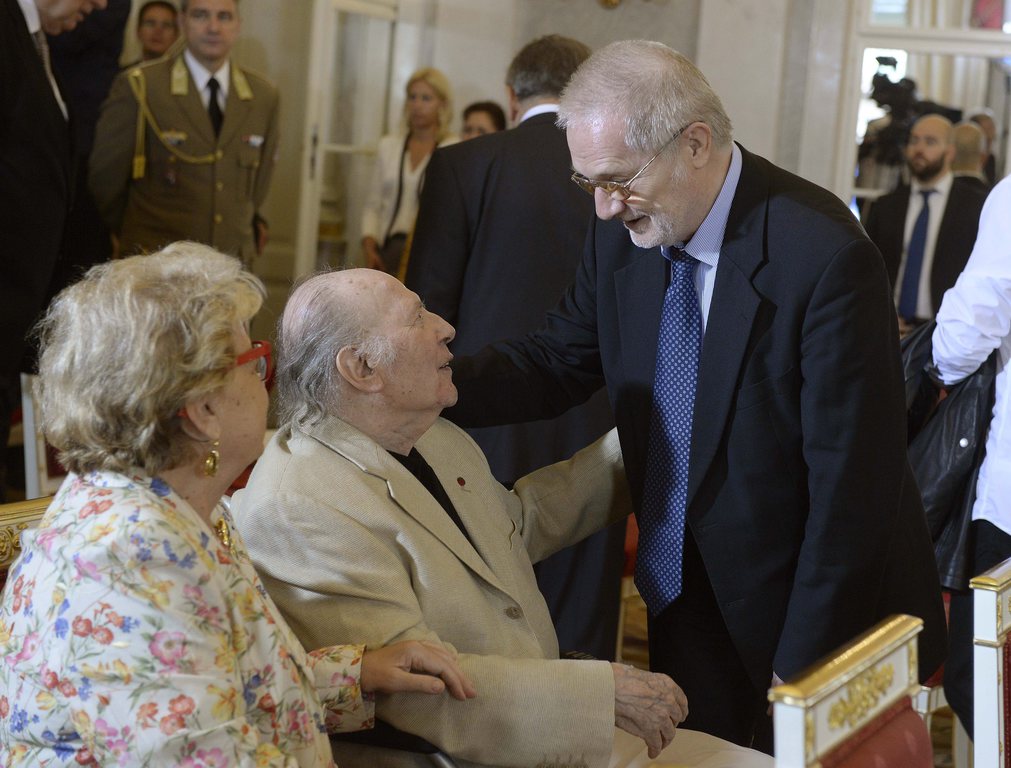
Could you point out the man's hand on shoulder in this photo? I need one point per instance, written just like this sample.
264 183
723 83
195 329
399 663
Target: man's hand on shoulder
648 705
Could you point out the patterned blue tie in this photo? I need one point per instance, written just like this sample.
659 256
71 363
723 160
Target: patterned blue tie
665 494
910 291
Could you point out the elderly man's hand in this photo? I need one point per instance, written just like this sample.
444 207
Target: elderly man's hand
648 705
413 666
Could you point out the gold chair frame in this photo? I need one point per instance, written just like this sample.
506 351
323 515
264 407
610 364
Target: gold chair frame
15 518
832 700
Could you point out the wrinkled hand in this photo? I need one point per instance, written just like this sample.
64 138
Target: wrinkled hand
413 666
648 705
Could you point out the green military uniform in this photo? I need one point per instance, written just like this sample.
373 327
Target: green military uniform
158 174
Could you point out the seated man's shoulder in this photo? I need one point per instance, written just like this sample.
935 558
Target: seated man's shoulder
445 437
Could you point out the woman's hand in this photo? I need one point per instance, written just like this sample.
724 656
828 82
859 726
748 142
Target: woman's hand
413 666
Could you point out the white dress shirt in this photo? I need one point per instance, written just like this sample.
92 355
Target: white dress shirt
707 241
937 202
201 76
975 319
539 109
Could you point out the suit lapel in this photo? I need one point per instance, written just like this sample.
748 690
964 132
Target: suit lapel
405 491
640 289
731 315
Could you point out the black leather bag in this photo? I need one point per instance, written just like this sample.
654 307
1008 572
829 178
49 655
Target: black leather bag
946 447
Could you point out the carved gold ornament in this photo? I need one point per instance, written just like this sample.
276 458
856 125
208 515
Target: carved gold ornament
809 736
10 541
863 693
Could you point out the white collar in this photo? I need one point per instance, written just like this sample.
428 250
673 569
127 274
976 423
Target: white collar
540 109
942 185
201 75
32 18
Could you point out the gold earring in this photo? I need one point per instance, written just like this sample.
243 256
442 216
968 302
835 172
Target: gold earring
211 462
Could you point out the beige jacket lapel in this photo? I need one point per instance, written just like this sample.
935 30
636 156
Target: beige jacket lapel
406 492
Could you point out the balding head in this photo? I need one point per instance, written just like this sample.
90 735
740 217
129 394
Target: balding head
986 122
326 313
360 346
970 148
930 151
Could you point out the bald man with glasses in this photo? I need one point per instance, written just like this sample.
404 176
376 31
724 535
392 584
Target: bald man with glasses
742 324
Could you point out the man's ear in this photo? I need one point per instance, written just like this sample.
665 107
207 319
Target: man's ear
356 371
200 420
514 105
699 138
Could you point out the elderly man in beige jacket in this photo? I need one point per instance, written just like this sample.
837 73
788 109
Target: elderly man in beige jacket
369 517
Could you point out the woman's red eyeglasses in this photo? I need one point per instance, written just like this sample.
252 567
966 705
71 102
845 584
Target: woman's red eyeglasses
260 352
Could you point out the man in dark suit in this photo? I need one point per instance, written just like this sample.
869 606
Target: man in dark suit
35 183
85 61
748 343
482 259
922 267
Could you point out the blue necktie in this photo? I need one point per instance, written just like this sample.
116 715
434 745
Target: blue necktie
665 494
910 291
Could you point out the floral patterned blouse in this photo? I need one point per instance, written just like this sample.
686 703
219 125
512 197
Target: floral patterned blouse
131 635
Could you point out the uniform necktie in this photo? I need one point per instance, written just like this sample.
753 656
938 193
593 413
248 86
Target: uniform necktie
665 495
910 290
213 108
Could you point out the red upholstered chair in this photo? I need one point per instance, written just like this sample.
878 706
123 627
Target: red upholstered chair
854 709
14 518
991 611
629 593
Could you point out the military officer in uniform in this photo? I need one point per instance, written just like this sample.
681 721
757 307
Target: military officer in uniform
185 145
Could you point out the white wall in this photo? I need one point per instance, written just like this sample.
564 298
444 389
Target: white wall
273 44
471 41
672 22
741 48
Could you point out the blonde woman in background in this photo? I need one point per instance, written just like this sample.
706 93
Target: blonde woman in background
391 203
133 628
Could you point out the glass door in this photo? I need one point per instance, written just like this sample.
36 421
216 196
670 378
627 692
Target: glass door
348 85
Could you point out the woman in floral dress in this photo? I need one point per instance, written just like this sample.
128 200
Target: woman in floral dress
133 628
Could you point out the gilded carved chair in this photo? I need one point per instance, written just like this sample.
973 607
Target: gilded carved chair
854 709
14 518
991 611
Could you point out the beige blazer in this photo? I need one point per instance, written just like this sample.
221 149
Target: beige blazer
179 181
351 546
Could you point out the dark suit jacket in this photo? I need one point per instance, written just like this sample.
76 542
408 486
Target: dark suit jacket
498 238
800 496
35 166
886 222
497 241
